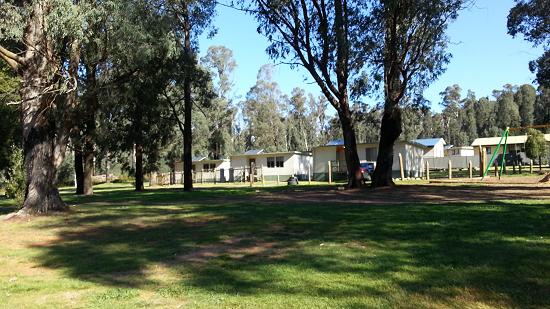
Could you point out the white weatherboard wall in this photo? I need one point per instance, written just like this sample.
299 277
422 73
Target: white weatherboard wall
294 163
412 158
438 150
201 172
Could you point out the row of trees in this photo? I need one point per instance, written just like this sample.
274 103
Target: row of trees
110 77
464 118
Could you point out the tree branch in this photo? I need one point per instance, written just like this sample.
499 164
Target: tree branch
11 58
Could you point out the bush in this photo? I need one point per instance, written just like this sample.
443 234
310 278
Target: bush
15 188
65 173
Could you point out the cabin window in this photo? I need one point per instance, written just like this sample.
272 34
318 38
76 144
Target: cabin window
488 150
209 167
273 162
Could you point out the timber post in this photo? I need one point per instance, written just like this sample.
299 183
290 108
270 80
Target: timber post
470 169
309 174
531 166
450 167
401 168
329 173
251 176
428 170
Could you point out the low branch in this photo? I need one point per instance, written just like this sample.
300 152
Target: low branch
11 58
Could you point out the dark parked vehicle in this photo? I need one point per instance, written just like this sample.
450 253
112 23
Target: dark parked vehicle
367 169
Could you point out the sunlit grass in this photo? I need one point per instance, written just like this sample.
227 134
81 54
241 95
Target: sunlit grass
221 247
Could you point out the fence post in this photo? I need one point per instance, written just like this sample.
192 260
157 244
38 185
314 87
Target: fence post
519 167
531 167
496 169
251 174
263 178
471 169
309 174
428 170
329 173
481 161
450 169
401 169
278 180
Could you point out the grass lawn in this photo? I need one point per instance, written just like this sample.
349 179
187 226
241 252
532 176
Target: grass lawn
225 248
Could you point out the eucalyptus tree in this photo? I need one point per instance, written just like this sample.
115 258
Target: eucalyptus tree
191 19
44 33
263 114
134 119
525 97
408 51
319 36
507 111
530 18
542 106
220 115
94 55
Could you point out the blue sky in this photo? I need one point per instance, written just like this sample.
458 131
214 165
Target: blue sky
485 57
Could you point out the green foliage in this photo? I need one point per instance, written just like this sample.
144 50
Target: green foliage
507 111
530 18
525 98
542 106
263 114
65 173
16 185
536 146
10 125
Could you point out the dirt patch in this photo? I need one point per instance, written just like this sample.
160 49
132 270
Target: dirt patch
236 248
406 194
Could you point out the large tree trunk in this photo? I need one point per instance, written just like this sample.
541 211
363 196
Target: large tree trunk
88 170
43 146
394 89
389 133
139 167
91 104
79 169
350 144
188 103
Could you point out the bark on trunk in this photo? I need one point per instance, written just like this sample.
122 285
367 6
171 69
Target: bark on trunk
79 169
139 167
394 89
188 104
350 145
389 133
91 103
88 171
42 145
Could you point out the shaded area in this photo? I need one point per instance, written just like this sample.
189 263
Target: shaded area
495 252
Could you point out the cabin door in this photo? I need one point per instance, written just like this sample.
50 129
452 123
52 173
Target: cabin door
252 166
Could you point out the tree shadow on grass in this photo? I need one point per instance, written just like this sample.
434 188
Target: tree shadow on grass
315 250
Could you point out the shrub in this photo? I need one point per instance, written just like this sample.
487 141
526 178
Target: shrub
15 188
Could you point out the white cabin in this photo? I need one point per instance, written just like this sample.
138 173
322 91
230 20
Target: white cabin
333 152
271 165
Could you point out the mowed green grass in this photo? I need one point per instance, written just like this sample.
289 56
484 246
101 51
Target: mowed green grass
224 248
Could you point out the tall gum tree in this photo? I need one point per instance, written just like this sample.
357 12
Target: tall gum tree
45 90
190 19
320 36
407 44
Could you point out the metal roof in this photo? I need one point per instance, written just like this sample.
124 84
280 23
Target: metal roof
429 142
254 152
198 158
336 142
512 139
